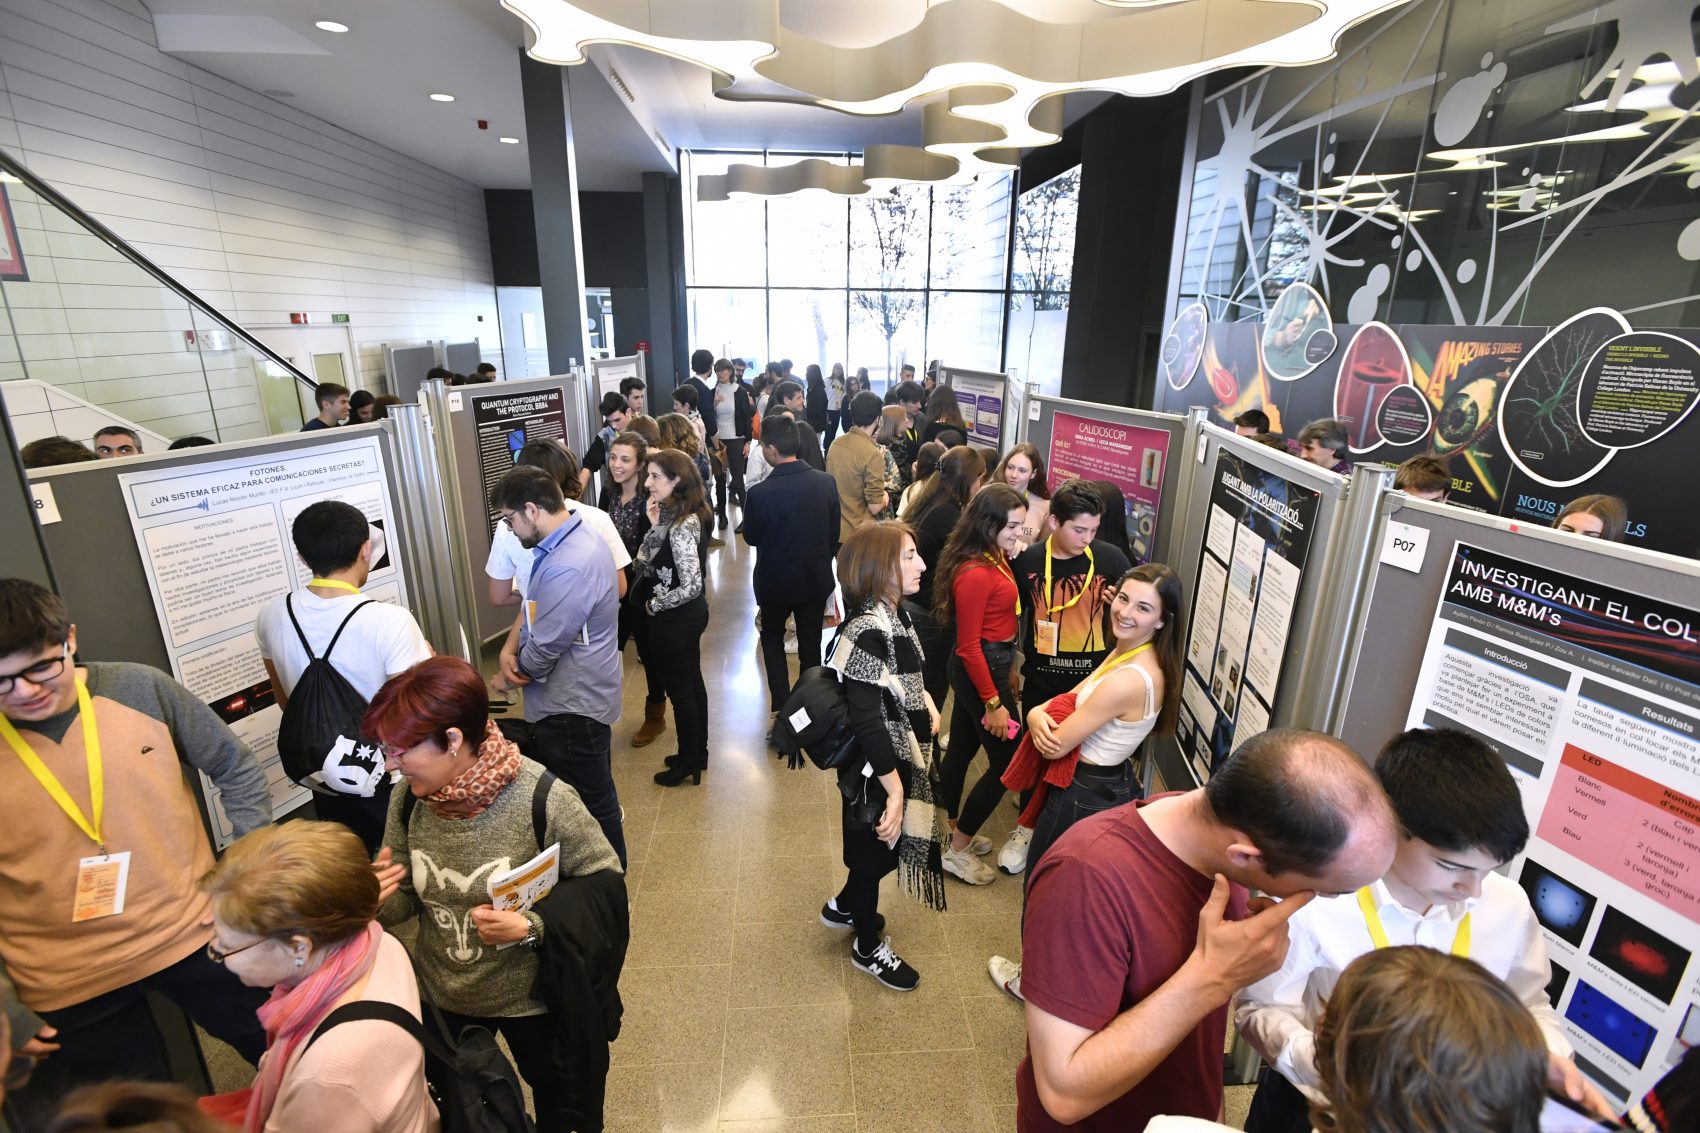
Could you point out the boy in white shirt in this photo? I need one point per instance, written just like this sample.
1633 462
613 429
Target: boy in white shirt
1461 818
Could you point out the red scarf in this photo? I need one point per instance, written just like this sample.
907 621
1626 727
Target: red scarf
289 1017
473 790
1027 768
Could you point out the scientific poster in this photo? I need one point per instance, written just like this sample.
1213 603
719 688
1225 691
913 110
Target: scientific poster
1131 457
507 422
1256 542
215 542
981 398
1592 697
611 372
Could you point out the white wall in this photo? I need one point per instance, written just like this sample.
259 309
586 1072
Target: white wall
259 208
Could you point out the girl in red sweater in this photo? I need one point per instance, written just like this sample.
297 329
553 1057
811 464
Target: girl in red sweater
976 590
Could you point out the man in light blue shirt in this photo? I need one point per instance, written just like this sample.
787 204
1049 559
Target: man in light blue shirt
569 657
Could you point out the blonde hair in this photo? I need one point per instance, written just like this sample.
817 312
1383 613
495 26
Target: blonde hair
300 878
894 421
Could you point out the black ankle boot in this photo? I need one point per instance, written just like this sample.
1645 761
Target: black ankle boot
678 773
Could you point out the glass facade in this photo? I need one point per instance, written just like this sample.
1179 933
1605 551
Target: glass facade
866 281
1045 224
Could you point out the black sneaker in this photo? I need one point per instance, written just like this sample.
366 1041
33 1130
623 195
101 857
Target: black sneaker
833 917
887 967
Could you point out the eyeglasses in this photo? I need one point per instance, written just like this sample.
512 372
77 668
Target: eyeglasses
38 673
218 957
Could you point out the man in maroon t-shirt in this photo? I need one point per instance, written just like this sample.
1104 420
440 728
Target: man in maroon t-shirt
1136 933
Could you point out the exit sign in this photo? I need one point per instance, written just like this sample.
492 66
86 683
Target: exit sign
339 318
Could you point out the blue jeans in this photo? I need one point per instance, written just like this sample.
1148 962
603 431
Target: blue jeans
576 748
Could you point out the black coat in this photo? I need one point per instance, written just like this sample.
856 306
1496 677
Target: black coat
705 403
792 519
586 928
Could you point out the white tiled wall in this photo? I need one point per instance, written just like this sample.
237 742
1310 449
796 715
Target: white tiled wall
261 209
39 410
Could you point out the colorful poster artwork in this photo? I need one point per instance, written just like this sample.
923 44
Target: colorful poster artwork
1183 346
1374 365
1131 457
1591 695
1298 335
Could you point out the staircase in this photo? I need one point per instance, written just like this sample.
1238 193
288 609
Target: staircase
99 333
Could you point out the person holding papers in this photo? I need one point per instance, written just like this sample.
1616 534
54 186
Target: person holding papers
468 813
1460 819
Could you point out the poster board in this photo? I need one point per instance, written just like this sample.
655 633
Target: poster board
204 637
407 367
1254 552
984 400
1137 450
610 372
488 425
462 357
1591 694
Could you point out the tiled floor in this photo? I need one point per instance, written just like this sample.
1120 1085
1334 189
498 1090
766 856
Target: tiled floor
743 1014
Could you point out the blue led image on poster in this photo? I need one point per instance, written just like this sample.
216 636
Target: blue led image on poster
1614 1025
1562 908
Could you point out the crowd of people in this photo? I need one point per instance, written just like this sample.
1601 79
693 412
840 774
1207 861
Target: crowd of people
1392 980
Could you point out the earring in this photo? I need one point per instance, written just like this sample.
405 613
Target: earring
300 960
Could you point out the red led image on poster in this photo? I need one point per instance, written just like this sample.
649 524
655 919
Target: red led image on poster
11 249
1130 457
1375 364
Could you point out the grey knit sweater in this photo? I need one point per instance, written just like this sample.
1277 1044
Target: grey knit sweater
449 864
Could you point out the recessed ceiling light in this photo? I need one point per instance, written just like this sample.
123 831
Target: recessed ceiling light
440 97
509 141
331 26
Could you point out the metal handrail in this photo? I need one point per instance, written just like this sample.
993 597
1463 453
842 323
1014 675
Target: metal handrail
48 193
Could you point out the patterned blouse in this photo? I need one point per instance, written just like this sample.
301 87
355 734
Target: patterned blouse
631 520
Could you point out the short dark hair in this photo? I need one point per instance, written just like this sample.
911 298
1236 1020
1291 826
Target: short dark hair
779 431
523 485
1076 497
326 392
50 451
909 391
866 408
190 442
552 456
1328 433
1423 474
32 617
723 364
119 431
1272 790
701 360
329 534
438 374
613 403
1255 419
627 385
786 390
1453 791
485 368
686 395
906 368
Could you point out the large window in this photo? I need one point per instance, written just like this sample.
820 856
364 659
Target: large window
1045 222
879 282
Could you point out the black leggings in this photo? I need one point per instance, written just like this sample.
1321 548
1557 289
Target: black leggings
634 626
675 647
966 736
935 648
868 859
536 1046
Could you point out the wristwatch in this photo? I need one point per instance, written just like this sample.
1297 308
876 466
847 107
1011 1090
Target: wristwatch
994 704
532 937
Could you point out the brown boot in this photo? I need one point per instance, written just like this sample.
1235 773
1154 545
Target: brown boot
654 723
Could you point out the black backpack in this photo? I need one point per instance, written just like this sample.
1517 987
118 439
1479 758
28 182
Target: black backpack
320 730
473 1083
815 719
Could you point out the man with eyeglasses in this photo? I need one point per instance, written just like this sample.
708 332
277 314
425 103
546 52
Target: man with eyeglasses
568 660
102 850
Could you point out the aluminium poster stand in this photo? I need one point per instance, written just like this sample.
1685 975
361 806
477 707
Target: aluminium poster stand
1590 691
1135 449
407 367
984 399
211 544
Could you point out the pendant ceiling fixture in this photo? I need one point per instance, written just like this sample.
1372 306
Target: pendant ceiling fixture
994 71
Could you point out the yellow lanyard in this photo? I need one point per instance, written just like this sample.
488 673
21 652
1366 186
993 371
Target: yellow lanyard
1091 569
1378 934
50 782
1003 569
1115 663
333 584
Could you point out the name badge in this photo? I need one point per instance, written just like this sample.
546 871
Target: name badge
101 882
1045 637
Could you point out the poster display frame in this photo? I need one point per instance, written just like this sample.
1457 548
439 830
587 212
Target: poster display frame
1006 434
1037 423
105 583
1297 703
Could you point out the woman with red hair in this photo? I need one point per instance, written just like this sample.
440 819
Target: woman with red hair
467 813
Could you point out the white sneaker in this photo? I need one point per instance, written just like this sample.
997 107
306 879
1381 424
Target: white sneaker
966 867
1012 859
1007 975
942 742
980 845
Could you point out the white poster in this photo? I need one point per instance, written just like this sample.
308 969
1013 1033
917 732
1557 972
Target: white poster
1592 697
981 399
215 542
610 373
